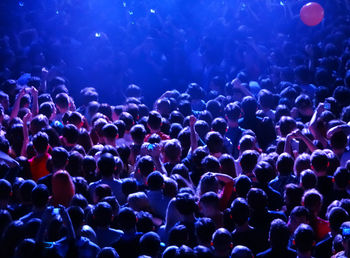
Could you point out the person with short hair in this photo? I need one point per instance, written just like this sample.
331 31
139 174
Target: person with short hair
38 162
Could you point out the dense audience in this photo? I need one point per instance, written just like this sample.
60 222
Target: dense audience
174 129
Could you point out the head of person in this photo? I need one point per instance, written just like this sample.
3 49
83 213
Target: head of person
341 178
138 133
215 143
102 214
249 106
239 211
40 196
185 203
63 188
298 215
70 134
257 199
279 234
110 133
248 161
308 179
312 200
208 183
150 244
304 238
286 125
285 163
154 121
232 112
243 185
62 102
241 251
145 165
337 216
222 242
106 165
59 157
319 161
155 181
264 173
204 229
172 150
209 204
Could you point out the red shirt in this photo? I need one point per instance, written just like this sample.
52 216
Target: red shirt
38 166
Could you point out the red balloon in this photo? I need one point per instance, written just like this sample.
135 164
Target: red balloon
312 14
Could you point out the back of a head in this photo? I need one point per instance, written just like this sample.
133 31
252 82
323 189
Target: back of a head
257 199
76 215
337 216
265 98
219 125
239 211
308 179
155 181
62 100
5 189
185 204
214 142
106 165
110 131
222 240
70 133
304 238
279 234
102 214
240 251
287 124
40 142
145 165
249 160
138 133
154 120
264 172
232 111
249 106
285 164
59 157
243 185
319 161
26 189
127 219
338 140
40 196
172 150
210 199
150 244
204 229
312 200
341 177
108 252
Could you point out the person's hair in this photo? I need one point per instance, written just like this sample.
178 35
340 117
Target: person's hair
129 186
150 244
319 161
63 188
176 117
79 200
174 130
287 124
222 240
341 177
249 160
145 165
304 238
127 219
205 116
227 164
128 120
70 133
264 172
247 142
195 91
172 150
75 118
279 234
214 107
120 124
207 183
302 162
40 196
312 200
243 185
204 229
106 165
38 122
210 199
241 251
155 181
303 101
47 109
76 215
337 216
239 211
265 98
177 234
202 128
285 164
105 109
215 142
144 222
59 157
211 164
185 204
133 91
294 194
107 252
249 106
103 214
308 179
25 190
219 125
154 120
232 111
257 199
102 191
110 131
62 100
138 133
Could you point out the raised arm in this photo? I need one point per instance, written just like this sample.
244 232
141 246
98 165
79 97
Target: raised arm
313 125
194 141
35 104
26 119
16 106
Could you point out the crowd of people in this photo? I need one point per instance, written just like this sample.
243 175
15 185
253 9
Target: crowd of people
174 129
